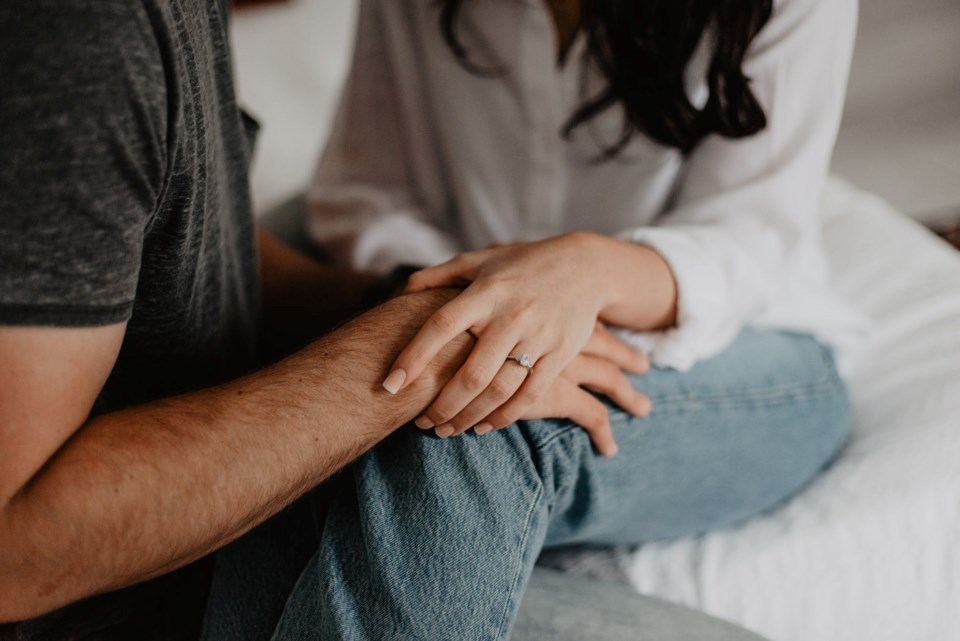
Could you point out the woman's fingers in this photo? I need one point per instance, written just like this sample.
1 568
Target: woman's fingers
570 402
448 322
540 378
589 413
506 383
567 400
607 346
603 377
494 345
454 272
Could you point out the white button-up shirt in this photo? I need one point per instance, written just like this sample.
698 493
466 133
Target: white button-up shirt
427 160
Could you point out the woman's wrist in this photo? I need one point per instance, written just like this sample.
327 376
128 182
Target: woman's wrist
590 253
635 283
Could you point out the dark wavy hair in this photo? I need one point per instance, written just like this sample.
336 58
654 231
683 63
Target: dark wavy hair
642 48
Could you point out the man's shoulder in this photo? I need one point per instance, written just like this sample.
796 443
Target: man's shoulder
65 44
75 22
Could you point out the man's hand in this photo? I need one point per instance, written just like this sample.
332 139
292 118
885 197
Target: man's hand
93 505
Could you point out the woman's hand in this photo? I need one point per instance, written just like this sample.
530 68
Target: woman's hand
539 299
600 369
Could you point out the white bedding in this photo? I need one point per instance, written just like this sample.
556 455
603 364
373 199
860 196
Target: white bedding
870 552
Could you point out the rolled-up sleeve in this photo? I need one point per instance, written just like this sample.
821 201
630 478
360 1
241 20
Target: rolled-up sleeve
746 213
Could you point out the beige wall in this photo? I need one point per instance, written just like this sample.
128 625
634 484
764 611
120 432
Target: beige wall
901 130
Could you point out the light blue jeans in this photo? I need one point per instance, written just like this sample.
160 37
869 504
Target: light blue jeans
429 539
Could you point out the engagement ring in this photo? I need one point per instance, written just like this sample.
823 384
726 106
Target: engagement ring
523 360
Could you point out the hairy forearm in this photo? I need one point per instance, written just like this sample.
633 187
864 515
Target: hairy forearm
142 491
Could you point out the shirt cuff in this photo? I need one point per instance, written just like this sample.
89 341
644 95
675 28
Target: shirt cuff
397 240
705 325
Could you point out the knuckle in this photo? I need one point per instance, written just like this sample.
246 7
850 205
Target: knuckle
521 312
565 345
609 372
416 355
440 413
501 388
598 416
527 397
443 321
475 377
486 286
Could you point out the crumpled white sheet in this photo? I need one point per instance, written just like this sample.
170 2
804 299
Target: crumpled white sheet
871 551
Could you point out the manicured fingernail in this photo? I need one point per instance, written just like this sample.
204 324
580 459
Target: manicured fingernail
446 430
614 449
483 428
394 381
424 423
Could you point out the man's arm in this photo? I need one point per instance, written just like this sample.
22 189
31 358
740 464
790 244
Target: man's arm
136 493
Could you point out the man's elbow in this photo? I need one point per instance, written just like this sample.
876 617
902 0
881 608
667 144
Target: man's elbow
14 600
20 593
11 610
20 598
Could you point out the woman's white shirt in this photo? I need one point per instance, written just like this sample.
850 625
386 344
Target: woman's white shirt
427 160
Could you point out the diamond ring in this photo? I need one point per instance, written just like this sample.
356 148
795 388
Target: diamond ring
523 360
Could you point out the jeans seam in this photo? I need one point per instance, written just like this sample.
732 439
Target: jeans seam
830 379
772 398
519 563
819 388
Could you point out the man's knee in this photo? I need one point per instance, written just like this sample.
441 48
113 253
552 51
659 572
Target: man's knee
419 456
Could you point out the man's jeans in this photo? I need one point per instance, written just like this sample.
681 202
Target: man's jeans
436 540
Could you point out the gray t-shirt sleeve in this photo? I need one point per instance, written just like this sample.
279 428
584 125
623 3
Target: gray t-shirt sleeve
83 135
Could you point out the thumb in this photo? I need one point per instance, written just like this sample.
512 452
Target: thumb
456 272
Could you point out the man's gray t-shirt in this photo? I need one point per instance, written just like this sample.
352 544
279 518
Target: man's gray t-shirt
124 197
123 186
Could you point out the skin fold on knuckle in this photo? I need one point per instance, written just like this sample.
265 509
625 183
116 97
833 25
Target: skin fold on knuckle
439 415
522 401
450 359
444 322
502 389
475 377
597 416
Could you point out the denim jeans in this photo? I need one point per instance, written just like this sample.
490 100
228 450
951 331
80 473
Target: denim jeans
432 539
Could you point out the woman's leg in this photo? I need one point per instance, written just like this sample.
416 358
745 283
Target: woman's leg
431 539
733 437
